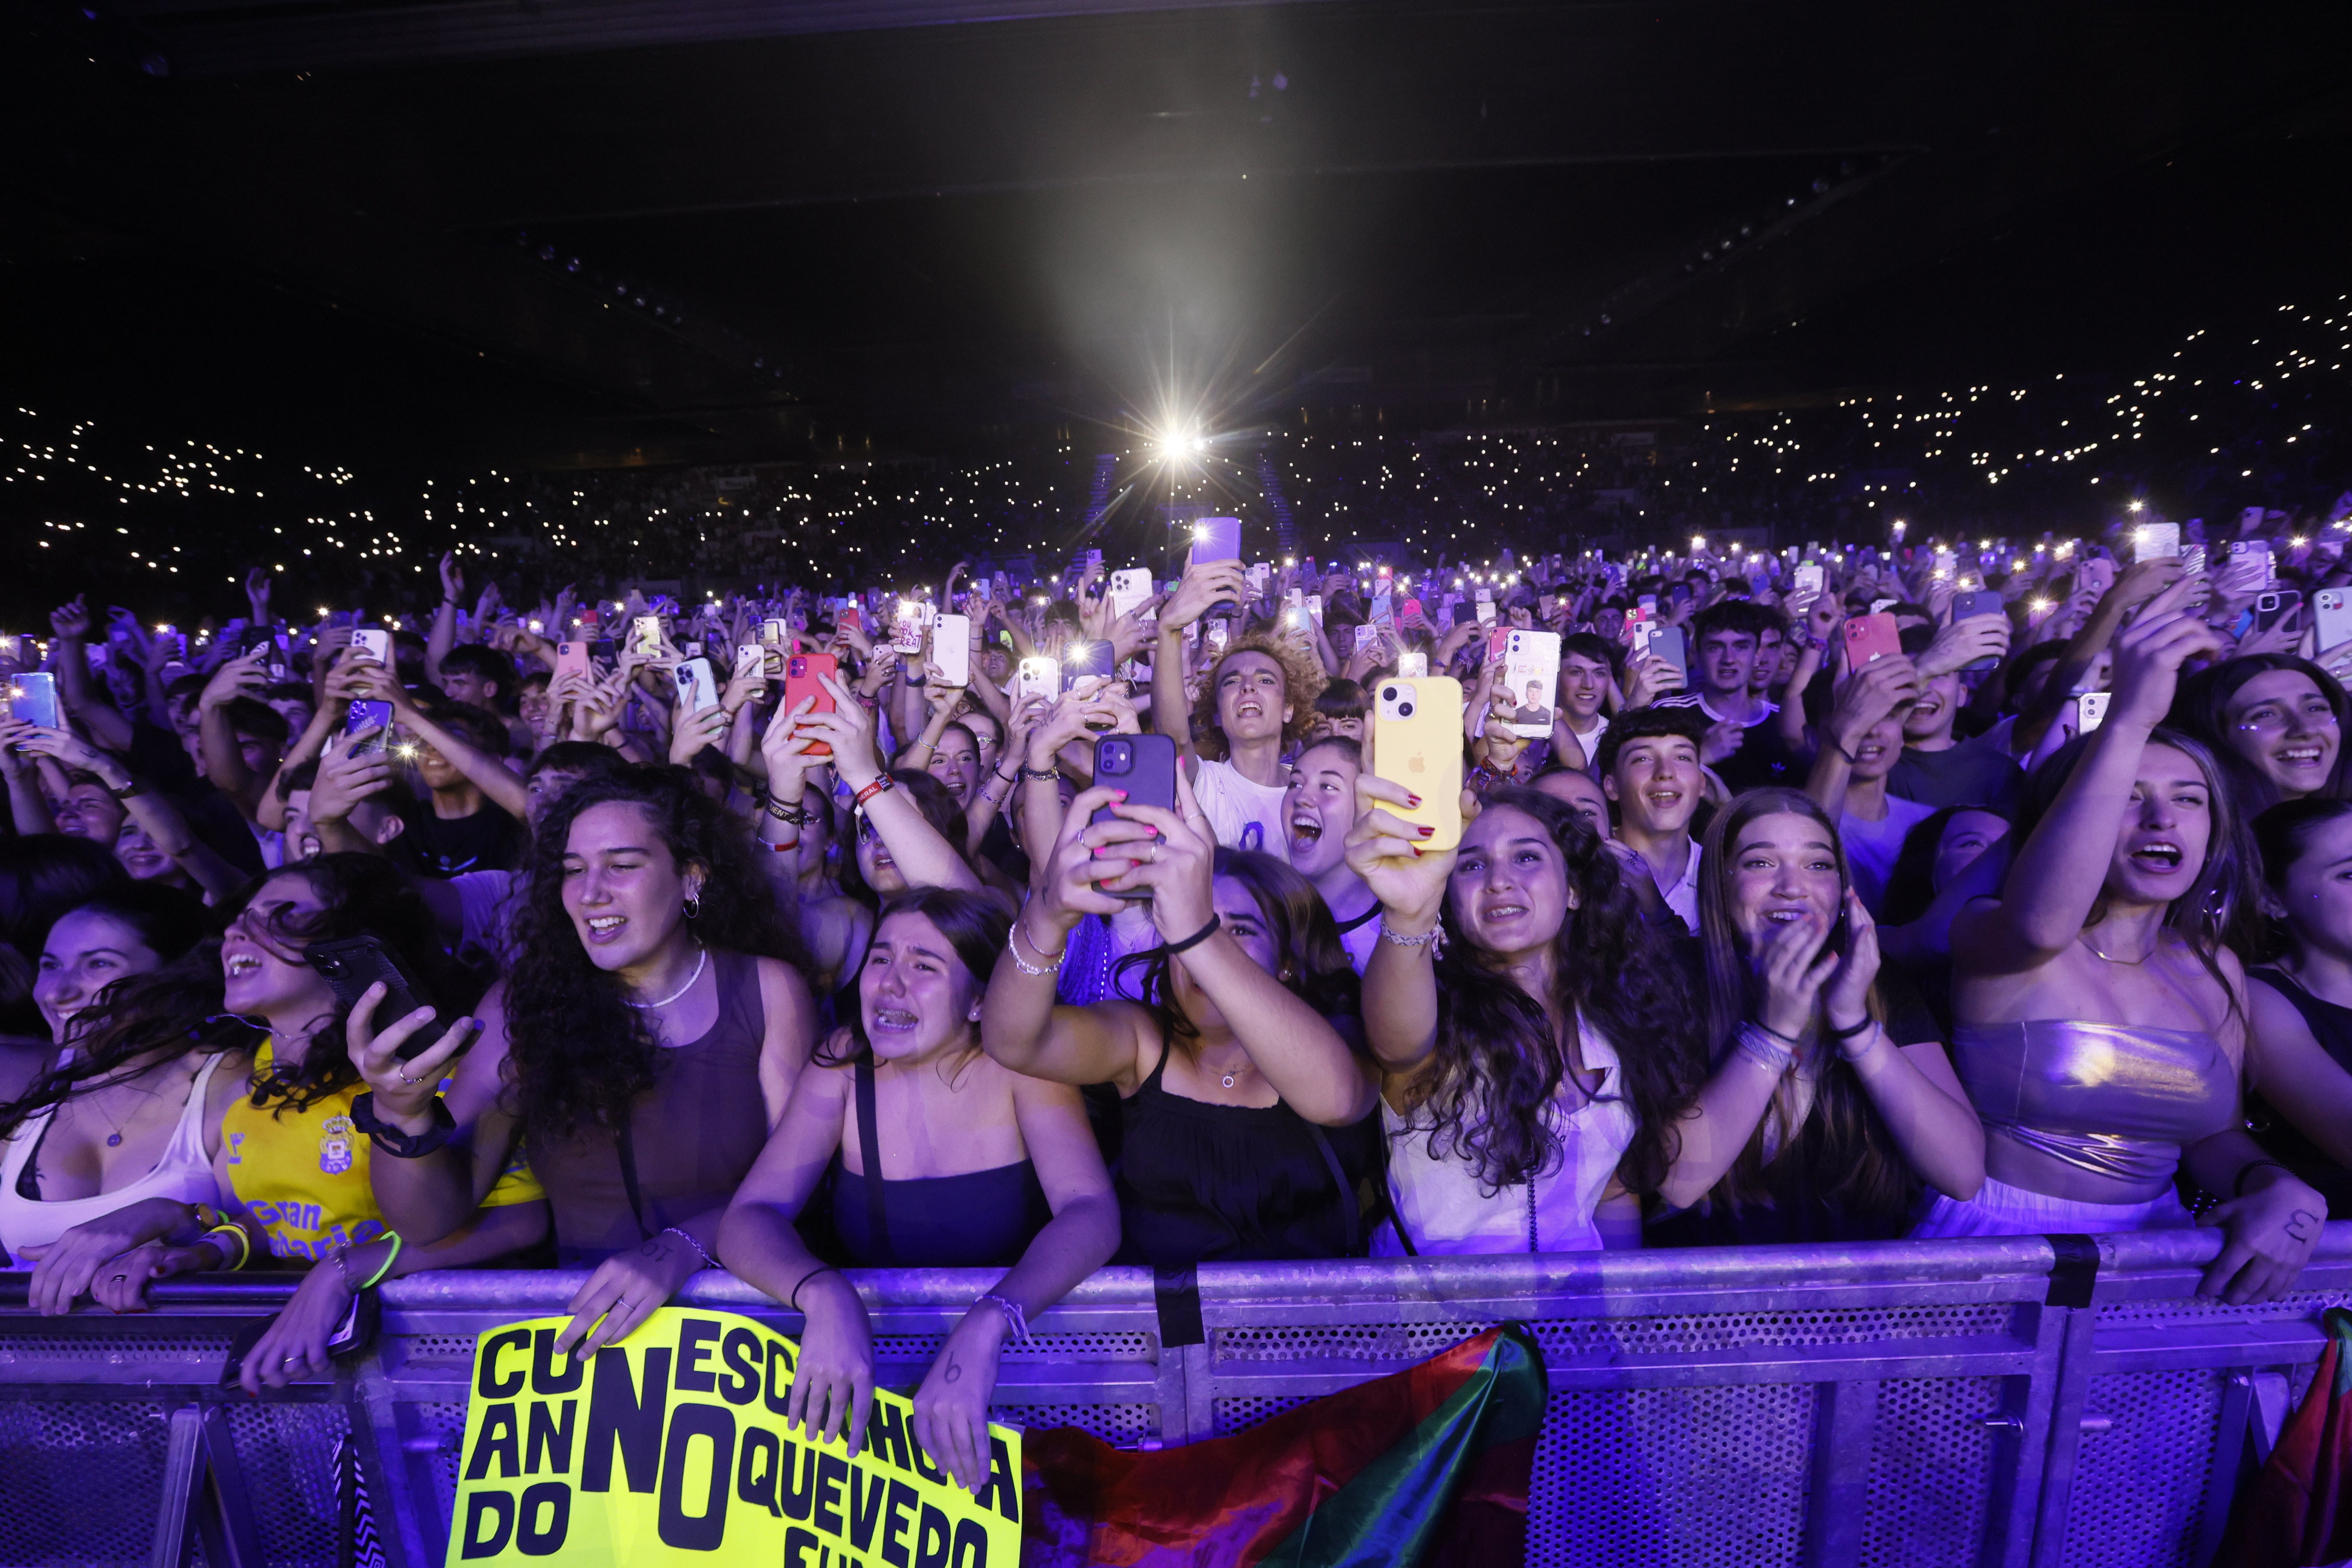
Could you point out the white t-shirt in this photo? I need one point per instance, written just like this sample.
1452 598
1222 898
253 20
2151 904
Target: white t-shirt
1363 940
1438 1199
1871 847
1242 815
1591 740
1683 897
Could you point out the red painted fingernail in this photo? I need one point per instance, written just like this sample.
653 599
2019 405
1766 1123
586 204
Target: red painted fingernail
1429 833
1416 851
1416 800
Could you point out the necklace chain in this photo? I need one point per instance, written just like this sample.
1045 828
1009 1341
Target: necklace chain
2129 962
682 990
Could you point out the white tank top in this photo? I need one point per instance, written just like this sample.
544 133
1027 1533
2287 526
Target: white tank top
184 1174
1439 1201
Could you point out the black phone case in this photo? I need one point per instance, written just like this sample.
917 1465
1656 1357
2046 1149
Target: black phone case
351 964
1152 782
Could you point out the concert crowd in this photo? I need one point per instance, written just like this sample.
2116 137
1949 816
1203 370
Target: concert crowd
1278 910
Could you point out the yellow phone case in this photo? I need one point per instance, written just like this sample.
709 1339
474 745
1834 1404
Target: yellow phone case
1417 742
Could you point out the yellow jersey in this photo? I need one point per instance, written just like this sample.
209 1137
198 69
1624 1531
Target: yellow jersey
303 1174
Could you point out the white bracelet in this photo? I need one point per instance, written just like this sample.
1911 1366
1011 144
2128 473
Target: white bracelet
1765 1051
1015 1318
687 1237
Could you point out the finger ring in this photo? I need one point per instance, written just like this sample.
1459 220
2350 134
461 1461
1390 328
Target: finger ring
406 1079
122 1277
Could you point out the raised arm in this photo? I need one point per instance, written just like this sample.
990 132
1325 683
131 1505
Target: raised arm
1400 1007
2059 869
1294 1047
1865 699
444 635
486 772
244 676
925 859
1201 587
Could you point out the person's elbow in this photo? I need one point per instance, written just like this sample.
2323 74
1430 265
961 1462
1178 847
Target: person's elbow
1339 1105
1092 1222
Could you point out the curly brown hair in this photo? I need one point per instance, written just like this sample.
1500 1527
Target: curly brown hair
1303 680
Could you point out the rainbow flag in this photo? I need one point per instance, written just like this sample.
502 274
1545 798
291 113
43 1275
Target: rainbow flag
1425 1468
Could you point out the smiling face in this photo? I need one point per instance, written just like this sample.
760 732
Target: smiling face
264 975
1583 683
533 706
2161 841
1880 748
435 770
88 810
1250 702
2281 723
1967 835
1509 891
914 994
1931 716
955 763
86 952
987 739
138 855
1783 867
1318 809
624 891
1655 782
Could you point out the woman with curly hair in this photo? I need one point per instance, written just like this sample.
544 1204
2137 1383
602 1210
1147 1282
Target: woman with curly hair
1263 691
642 1064
1831 1101
936 1157
1248 1127
1529 1025
272 1122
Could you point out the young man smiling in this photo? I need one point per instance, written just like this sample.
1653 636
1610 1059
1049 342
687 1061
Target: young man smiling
1650 768
1264 692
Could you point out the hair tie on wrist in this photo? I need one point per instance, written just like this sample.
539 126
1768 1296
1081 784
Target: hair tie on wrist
2238 1187
1172 949
1842 1035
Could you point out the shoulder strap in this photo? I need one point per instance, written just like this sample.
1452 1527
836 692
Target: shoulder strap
870 1145
1340 1179
627 1139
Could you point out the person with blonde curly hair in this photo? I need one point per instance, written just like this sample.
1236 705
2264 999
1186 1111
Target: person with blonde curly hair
1263 691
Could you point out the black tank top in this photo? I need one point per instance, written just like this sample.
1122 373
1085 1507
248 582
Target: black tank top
982 1219
1207 1183
2331 1026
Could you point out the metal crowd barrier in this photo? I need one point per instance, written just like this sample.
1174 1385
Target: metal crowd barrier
2001 1403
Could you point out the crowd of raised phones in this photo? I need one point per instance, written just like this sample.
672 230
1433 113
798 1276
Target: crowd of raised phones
1895 893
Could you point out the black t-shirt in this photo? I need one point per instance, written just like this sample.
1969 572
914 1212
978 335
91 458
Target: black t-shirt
1974 773
442 847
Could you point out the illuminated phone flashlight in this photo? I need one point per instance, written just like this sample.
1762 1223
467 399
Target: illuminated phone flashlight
2136 506
1698 542
2040 606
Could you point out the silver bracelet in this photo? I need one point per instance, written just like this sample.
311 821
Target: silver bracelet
1012 946
1434 938
1015 1318
1766 1052
687 1237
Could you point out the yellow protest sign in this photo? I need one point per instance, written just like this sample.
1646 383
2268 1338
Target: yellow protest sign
671 1447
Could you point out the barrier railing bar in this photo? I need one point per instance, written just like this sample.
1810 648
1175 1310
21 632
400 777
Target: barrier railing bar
2237 1406
183 1474
1837 1500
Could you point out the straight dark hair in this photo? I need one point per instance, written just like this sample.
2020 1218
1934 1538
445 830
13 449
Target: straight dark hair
1309 956
975 925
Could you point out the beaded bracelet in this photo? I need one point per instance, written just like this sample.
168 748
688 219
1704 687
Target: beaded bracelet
1012 946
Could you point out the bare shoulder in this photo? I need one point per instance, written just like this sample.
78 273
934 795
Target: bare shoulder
782 985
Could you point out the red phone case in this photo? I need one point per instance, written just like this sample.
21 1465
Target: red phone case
1869 638
799 680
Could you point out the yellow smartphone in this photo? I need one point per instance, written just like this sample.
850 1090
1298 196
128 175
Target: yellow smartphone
1417 742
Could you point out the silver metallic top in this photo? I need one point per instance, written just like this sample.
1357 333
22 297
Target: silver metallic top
2119 1100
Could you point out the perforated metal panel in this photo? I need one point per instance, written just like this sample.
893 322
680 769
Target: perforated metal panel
1692 1478
80 1483
2140 1486
1931 1459
1079 1347
1241 1414
287 1452
444 1428
1121 1425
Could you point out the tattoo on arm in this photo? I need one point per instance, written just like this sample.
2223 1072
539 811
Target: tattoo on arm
955 1369
2302 1226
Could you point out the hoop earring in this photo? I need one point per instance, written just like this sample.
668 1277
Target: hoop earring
693 905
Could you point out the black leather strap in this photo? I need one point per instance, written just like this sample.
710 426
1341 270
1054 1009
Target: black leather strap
1176 1293
869 1150
391 1140
1340 1180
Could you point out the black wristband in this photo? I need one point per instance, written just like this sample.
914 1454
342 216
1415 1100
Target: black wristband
1842 1035
393 1140
1040 775
2238 1187
1195 939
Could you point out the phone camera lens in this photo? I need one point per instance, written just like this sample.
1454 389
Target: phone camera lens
1387 694
1404 709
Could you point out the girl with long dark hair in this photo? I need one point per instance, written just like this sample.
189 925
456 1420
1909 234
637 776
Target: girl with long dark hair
1529 1025
2274 721
938 1158
288 1171
1830 1098
2102 1014
643 1063
2299 1050
1247 1116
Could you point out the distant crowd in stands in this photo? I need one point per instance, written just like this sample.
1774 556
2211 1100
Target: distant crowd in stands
1828 895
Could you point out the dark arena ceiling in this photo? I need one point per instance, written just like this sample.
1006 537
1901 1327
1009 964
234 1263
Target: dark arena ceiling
590 232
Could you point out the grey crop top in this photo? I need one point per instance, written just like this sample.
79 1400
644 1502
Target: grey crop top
2119 1100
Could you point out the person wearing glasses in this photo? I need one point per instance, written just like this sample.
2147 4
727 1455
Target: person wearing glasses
2276 723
